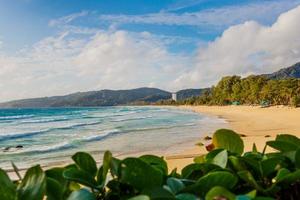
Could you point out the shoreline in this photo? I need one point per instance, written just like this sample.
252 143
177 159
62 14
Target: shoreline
258 125
252 121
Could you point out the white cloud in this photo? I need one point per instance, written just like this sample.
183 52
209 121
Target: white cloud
67 19
218 17
120 59
248 48
108 60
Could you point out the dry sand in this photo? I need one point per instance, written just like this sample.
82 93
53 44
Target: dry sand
258 124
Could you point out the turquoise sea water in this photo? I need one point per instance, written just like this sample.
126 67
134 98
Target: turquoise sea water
50 136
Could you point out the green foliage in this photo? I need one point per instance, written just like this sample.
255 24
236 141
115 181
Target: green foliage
252 90
224 173
229 140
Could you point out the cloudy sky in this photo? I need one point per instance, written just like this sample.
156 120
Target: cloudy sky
56 47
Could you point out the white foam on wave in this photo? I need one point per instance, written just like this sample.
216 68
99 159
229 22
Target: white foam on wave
101 136
15 117
41 149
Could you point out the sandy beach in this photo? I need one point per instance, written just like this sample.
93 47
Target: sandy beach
257 124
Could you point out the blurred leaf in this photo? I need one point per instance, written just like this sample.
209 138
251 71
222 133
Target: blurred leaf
157 162
54 190
199 159
297 158
282 146
80 176
139 174
73 186
281 174
219 178
114 166
248 177
237 163
270 165
158 193
221 192
102 172
33 186
221 159
263 198
210 156
195 171
254 148
140 197
291 177
81 195
229 140
186 196
7 187
288 138
57 174
242 197
174 173
175 184
85 162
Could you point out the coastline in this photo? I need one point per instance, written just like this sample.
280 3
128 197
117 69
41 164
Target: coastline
252 121
257 124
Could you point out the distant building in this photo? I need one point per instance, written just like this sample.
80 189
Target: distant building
174 96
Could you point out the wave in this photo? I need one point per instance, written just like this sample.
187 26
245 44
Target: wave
119 130
130 119
44 120
21 135
57 147
15 117
44 149
33 133
102 136
108 115
158 127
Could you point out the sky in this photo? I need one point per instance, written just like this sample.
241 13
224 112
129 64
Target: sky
57 47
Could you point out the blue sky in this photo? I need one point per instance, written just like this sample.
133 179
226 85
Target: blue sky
53 42
24 22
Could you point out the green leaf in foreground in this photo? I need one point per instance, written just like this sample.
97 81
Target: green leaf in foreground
54 190
81 177
7 188
158 193
102 172
140 197
220 192
186 196
219 178
282 146
248 177
82 195
221 159
139 174
288 138
157 162
175 184
85 162
33 186
229 140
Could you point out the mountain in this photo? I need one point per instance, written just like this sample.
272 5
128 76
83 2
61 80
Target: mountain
93 98
289 72
188 93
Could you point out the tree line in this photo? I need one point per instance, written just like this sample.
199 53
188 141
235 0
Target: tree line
252 90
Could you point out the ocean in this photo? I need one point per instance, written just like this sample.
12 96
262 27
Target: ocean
49 136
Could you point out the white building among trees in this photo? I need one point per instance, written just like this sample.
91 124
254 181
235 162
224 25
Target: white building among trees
174 96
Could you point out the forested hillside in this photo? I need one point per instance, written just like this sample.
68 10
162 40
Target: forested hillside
251 90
